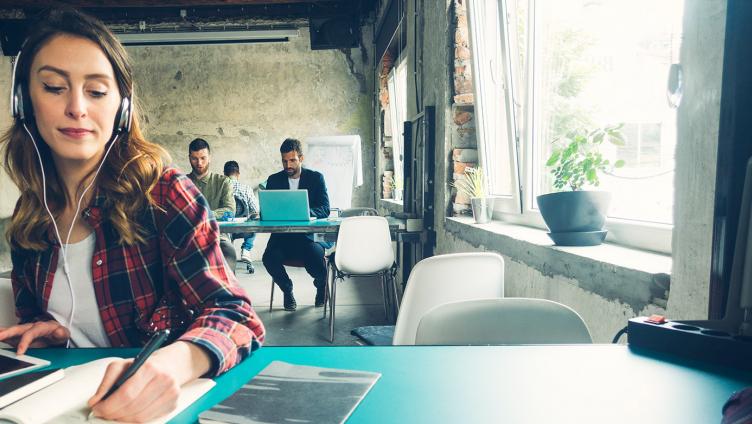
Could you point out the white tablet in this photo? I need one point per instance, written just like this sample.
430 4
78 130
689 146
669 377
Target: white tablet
12 364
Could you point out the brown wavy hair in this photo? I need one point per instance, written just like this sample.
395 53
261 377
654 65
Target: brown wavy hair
132 167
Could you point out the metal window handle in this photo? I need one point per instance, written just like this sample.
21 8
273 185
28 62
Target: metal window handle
675 87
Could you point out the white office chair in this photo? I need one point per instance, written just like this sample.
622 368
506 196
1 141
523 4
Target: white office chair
501 321
447 278
364 248
7 304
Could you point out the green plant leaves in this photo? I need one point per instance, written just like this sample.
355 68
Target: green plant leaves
578 162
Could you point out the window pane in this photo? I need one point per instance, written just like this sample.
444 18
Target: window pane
605 62
397 86
492 119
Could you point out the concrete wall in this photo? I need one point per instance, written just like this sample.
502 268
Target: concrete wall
698 128
699 117
244 100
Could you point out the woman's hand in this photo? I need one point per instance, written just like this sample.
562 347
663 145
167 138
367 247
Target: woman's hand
153 390
35 334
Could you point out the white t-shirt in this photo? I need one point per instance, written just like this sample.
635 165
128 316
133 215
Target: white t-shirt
294 183
86 329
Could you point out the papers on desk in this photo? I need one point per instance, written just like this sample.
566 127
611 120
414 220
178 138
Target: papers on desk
284 392
65 401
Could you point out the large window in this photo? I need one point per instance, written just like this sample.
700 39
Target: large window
397 86
572 64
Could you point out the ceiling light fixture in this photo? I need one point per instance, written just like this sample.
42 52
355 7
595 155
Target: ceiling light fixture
207 37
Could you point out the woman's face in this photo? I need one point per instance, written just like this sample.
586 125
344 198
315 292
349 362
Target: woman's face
75 97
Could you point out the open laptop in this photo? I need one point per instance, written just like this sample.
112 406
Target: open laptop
284 205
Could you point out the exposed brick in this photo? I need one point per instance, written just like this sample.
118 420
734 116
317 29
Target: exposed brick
460 209
461 52
465 155
462 20
463 71
461 199
464 99
462 117
461 36
459 167
462 86
463 140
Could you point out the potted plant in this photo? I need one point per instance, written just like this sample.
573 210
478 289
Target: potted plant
574 216
473 186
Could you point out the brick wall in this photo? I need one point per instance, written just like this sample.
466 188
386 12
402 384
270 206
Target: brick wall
464 144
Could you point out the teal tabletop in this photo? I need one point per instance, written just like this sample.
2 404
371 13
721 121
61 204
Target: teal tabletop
511 384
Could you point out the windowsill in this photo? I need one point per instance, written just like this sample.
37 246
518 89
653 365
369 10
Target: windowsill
391 205
632 276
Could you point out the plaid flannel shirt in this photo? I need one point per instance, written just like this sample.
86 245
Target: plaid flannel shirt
176 279
245 192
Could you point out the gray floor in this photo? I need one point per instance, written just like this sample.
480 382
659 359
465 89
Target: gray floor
359 303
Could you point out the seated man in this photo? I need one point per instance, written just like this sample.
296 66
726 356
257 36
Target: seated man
217 189
245 193
298 246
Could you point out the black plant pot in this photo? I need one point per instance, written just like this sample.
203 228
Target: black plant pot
575 218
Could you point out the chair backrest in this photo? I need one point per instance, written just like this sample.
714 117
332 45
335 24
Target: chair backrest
501 321
447 278
7 304
364 245
345 213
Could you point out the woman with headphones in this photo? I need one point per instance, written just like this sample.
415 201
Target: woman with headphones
110 245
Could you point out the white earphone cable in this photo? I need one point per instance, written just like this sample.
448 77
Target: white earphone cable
63 249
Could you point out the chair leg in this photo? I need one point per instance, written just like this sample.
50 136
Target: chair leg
271 299
326 288
396 298
385 295
333 301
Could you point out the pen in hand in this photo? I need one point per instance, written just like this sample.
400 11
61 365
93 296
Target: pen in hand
152 345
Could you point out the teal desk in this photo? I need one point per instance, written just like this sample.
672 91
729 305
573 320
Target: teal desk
495 384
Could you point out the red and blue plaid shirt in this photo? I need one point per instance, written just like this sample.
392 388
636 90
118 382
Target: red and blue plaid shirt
176 279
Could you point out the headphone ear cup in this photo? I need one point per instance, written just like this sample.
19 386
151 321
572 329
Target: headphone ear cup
19 103
123 116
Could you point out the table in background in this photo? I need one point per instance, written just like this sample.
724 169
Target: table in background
325 226
494 384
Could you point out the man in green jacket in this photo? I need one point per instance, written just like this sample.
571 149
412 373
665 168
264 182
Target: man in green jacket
216 188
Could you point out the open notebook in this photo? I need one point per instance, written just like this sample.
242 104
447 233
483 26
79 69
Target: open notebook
65 401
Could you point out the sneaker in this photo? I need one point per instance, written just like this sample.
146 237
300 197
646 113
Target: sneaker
320 297
289 301
245 256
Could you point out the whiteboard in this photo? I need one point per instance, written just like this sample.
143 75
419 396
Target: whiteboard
339 158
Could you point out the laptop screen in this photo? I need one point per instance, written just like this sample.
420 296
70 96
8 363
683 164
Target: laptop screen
284 205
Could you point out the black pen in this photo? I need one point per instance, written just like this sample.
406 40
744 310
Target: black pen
153 344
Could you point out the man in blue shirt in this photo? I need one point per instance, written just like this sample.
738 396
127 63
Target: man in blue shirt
243 193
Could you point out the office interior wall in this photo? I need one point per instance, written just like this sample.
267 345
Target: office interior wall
697 146
244 99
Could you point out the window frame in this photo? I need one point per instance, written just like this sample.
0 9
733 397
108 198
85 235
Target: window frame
486 126
634 233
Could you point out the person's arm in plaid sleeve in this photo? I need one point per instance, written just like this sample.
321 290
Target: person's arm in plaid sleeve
225 326
36 327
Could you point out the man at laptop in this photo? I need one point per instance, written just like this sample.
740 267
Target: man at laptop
283 247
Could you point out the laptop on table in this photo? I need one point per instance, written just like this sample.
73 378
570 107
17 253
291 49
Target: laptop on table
284 205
